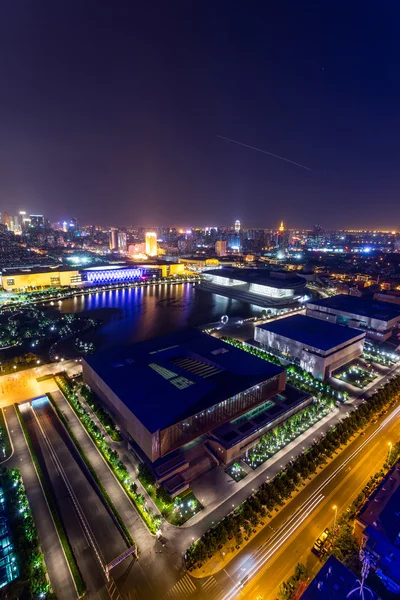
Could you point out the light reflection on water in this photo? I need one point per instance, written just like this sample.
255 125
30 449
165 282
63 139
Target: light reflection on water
133 314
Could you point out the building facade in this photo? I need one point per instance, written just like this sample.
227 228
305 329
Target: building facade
318 347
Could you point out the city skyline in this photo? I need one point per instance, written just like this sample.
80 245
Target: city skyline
126 121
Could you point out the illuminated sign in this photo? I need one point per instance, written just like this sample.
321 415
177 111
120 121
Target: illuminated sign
113 275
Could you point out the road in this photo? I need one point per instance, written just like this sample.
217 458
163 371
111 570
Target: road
93 535
270 558
60 577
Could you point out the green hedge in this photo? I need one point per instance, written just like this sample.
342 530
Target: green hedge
4 437
111 505
79 583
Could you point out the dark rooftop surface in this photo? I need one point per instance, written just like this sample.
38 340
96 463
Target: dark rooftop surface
381 512
334 581
360 306
36 270
167 379
277 279
312 332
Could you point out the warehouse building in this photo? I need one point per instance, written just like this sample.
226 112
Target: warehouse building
377 319
319 347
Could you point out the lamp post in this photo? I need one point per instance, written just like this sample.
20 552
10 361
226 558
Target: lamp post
334 520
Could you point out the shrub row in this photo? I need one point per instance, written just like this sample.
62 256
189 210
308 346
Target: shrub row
272 494
101 414
5 443
79 583
30 559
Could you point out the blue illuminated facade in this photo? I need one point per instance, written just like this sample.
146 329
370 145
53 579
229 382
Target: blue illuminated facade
104 276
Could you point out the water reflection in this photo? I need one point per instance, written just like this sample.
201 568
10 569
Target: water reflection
133 314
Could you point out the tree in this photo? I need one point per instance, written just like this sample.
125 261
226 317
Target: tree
146 474
163 495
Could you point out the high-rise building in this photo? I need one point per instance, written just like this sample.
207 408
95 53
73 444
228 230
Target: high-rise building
122 241
282 237
220 248
5 219
113 238
237 226
151 243
37 220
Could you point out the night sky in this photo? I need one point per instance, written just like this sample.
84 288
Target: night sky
111 111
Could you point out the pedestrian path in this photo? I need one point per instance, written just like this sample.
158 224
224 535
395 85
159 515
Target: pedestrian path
184 588
212 589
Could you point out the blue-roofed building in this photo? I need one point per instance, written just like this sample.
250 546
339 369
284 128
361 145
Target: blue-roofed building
319 347
334 581
377 319
170 391
378 526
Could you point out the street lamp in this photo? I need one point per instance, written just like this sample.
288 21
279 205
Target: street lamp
334 521
390 450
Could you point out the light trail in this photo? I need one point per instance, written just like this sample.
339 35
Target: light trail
292 162
266 551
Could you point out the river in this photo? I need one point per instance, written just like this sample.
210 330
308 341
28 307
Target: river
132 314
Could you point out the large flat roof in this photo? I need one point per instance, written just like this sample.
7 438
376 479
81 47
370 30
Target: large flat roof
262 276
167 379
334 581
312 332
373 309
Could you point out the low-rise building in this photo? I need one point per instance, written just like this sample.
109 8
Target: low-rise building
378 526
377 319
26 279
317 346
334 581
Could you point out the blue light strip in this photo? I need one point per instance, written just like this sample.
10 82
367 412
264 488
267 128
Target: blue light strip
113 275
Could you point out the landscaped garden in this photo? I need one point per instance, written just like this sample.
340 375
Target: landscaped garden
356 375
277 438
176 510
296 376
242 522
236 472
22 560
378 355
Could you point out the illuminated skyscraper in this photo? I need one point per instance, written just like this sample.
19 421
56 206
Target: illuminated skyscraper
113 238
237 226
151 243
122 241
220 248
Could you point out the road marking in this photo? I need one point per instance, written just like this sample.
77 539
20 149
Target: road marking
182 588
266 551
212 588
